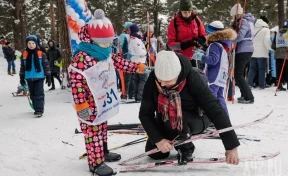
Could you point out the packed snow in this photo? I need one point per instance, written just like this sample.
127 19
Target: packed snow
32 146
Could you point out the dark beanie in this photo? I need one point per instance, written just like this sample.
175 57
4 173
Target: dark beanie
32 38
186 5
134 28
265 19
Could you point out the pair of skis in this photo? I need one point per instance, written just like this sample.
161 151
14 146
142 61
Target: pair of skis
126 168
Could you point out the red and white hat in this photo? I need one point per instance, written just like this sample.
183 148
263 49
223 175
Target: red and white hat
100 28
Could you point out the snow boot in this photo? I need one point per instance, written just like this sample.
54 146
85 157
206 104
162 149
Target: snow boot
102 170
52 88
246 101
184 156
240 98
10 73
14 72
112 157
38 114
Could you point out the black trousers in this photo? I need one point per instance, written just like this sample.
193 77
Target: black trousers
198 125
129 86
279 63
241 60
36 92
55 75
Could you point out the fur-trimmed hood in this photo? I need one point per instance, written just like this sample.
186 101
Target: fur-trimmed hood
223 35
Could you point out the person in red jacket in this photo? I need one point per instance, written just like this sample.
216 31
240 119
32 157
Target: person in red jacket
186 31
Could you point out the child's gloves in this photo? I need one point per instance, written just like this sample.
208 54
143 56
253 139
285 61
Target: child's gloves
22 82
198 54
141 68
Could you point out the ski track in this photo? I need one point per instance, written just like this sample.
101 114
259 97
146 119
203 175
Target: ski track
33 147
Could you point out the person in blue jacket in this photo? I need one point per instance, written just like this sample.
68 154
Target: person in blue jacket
34 69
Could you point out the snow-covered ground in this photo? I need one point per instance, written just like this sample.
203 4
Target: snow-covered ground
33 146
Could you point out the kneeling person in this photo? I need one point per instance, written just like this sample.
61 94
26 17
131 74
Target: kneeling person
176 91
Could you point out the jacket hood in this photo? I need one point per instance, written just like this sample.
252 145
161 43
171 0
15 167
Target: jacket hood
249 17
260 23
223 35
54 43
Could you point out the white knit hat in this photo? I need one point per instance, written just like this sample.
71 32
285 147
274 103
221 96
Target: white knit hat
234 10
167 65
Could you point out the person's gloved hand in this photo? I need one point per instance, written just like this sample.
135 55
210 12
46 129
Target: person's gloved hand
202 40
48 80
188 44
22 82
198 54
141 68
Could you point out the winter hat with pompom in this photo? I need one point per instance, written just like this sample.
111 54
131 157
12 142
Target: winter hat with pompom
167 65
100 28
235 8
214 26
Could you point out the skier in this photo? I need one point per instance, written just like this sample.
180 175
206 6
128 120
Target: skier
34 68
186 31
10 57
54 56
280 45
262 46
244 26
94 89
138 53
219 41
175 91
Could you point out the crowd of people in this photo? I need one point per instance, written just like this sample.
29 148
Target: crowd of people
183 94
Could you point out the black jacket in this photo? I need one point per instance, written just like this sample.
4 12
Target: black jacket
8 53
194 94
54 54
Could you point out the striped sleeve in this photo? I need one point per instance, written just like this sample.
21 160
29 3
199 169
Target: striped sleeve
45 64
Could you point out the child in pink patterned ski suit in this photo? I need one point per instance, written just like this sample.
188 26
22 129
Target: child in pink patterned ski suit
95 48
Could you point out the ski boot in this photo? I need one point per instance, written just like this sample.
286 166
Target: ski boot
101 170
112 157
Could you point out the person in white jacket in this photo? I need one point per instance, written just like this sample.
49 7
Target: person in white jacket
138 53
262 45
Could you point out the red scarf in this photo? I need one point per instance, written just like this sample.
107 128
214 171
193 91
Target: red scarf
169 104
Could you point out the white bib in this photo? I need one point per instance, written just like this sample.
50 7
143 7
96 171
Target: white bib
101 79
222 75
281 40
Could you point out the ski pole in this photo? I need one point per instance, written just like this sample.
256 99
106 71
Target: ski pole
121 146
280 77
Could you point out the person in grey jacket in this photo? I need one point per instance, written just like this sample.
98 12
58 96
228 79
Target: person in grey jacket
54 56
244 26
